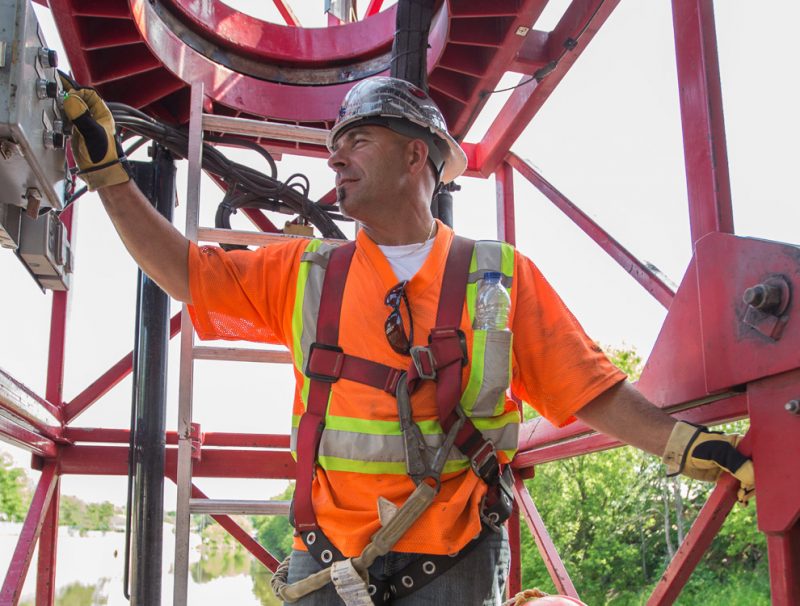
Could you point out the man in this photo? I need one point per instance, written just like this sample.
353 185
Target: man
358 369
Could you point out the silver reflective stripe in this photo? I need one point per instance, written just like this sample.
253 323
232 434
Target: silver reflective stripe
496 374
489 257
312 294
357 446
503 438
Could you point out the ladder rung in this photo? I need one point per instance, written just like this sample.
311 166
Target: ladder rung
240 354
233 507
250 238
259 128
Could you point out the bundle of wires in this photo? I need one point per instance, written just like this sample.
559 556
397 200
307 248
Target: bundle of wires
246 187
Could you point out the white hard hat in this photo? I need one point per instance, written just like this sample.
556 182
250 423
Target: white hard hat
406 109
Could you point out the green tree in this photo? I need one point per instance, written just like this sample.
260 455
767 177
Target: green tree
275 532
15 494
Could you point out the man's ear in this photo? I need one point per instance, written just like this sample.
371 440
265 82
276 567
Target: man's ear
417 155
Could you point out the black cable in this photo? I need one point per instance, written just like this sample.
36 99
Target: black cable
569 45
264 190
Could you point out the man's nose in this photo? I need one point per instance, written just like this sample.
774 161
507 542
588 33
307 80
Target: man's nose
336 159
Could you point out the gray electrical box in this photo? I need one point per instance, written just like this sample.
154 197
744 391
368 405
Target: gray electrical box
45 250
32 159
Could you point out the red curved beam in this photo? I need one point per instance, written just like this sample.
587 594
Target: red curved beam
281 44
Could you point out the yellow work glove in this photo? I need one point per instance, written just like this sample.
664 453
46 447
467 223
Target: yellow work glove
696 452
94 143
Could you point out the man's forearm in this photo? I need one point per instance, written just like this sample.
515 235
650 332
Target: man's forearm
624 413
157 247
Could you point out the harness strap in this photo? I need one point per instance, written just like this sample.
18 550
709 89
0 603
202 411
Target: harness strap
313 421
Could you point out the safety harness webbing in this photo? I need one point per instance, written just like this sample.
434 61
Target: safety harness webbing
441 361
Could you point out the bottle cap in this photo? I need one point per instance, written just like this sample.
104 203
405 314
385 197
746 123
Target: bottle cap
492 276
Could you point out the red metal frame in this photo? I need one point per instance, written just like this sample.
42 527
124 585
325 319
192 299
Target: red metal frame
707 365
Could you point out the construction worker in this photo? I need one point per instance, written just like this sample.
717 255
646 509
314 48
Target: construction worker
396 392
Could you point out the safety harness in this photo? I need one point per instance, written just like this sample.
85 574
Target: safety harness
441 361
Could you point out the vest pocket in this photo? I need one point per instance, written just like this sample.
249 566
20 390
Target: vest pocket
496 345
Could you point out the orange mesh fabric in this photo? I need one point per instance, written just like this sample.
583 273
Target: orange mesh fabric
556 368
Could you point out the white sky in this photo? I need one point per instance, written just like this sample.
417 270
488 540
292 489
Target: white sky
609 138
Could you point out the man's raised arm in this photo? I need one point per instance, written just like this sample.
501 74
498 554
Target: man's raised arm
154 243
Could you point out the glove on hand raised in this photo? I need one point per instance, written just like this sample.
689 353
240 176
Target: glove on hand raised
94 143
696 452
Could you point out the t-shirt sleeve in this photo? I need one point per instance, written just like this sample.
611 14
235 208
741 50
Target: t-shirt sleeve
242 294
557 368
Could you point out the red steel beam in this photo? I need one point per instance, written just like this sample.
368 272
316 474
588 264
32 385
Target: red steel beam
109 379
32 411
25 438
515 569
238 533
504 186
48 544
215 463
784 566
287 13
540 442
26 544
525 102
374 8
696 542
629 262
58 329
558 573
705 150
100 435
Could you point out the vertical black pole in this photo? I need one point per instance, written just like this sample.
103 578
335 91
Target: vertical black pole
156 179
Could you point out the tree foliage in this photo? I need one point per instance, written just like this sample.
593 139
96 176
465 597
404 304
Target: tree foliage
15 494
274 532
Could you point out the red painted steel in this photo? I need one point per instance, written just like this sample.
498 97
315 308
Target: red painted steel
696 542
374 8
238 533
286 12
282 45
705 150
48 546
109 379
215 463
638 269
558 573
99 435
58 330
542 443
504 186
525 102
784 567
21 404
23 437
776 451
733 351
23 553
514 583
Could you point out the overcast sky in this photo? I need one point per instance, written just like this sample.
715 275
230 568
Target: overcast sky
609 138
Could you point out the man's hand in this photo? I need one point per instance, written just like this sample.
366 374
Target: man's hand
94 144
696 452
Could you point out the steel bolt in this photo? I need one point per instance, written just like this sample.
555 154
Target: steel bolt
765 297
792 407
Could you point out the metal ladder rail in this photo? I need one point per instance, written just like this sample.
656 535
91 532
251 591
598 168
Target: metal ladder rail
186 505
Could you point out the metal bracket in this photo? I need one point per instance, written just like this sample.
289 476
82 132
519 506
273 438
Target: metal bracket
767 303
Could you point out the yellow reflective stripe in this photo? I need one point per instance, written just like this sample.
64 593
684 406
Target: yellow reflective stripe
472 287
470 395
486 423
297 318
381 428
372 467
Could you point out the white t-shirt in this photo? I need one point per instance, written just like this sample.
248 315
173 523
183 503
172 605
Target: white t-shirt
407 258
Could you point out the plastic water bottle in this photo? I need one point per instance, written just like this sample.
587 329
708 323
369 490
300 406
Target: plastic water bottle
492 303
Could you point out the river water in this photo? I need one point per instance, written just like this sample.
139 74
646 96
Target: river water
90 571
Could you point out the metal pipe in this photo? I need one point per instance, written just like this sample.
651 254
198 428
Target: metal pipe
157 181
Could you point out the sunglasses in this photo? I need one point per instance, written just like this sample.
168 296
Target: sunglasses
394 327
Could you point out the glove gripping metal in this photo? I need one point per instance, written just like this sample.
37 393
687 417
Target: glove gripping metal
94 143
698 453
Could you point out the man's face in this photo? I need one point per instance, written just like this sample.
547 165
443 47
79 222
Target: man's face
368 162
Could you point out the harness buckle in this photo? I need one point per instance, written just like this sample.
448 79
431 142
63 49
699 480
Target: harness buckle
484 463
324 362
424 362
